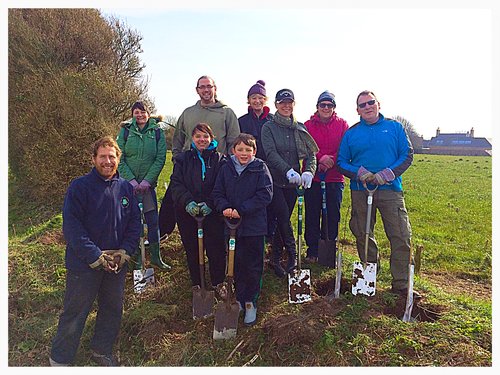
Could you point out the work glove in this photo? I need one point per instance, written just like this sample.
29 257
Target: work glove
364 175
327 160
204 209
322 168
104 262
293 177
384 176
192 208
135 185
306 180
144 186
119 258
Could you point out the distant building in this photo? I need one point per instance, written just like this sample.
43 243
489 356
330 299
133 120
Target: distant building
457 144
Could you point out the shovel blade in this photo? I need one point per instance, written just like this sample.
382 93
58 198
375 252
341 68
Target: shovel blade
299 286
143 279
326 253
226 320
409 298
364 279
203 303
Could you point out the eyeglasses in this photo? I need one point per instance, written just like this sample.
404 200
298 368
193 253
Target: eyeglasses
325 105
203 87
369 102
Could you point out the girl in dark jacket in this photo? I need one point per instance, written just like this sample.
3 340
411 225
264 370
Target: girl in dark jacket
192 181
242 191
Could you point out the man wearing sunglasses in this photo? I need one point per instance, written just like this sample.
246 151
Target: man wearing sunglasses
375 152
327 130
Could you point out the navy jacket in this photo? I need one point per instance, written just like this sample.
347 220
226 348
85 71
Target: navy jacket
249 193
250 124
186 182
99 215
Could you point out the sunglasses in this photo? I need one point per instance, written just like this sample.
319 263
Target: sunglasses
369 102
325 105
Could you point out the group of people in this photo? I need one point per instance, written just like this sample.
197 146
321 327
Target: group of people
248 169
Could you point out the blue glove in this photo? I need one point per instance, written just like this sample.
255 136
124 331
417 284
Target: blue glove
192 208
204 209
306 180
293 177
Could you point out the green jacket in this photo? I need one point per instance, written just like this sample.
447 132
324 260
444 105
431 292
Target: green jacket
142 156
219 116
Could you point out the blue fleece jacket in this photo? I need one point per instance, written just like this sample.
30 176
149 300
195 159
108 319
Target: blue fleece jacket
377 146
99 215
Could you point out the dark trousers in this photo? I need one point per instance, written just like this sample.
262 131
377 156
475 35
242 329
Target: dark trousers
282 206
248 268
82 288
166 217
151 218
213 243
313 202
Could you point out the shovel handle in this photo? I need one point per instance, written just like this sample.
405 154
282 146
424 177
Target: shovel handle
300 199
369 202
232 224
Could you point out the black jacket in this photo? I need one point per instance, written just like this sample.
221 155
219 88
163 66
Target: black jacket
249 193
186 182
250 124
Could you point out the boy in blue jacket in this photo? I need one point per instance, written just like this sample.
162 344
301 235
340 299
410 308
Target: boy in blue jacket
243 190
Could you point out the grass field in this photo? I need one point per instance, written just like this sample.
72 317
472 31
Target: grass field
449 200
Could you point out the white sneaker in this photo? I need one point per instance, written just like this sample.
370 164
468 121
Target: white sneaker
57 364
250 314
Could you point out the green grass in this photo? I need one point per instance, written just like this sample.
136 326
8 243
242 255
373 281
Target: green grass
449 202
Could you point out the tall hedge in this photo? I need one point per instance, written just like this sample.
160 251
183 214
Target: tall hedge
73 76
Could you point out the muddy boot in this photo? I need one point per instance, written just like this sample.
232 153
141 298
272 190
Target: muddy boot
154 251
274 263
291 264
136 262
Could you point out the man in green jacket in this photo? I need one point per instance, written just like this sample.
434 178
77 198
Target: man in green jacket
222 121
210 110
144 152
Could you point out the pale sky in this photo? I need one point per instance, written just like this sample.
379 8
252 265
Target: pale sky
431 66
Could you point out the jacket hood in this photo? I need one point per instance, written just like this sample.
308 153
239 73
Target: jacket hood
264 114
216 106
152 122
255 165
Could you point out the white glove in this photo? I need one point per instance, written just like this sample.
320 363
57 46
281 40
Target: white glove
306 180
293 177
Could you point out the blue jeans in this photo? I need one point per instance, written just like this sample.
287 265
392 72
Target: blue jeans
313 201
82 288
